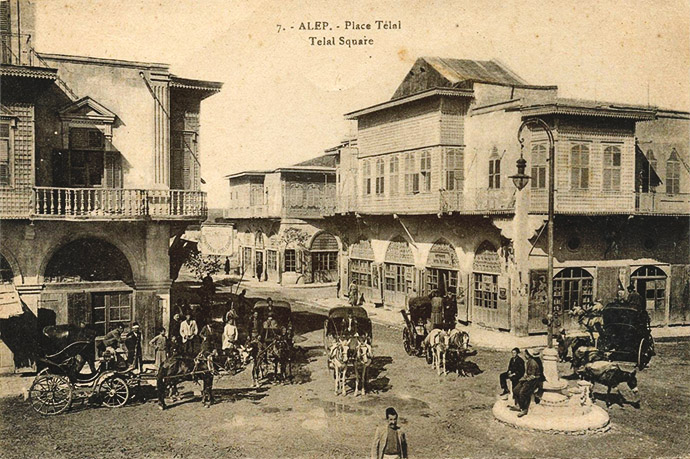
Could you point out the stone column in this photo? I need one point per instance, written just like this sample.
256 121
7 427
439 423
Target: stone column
161 129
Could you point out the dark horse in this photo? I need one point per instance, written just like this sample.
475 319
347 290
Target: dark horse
610 375
459 349
181 368
279 352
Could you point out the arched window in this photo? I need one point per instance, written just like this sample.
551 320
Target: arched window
650 283
673 173
454 166
394 169
494 169
380 171
425 171
366 177
572 287
579 167
612 168
539 166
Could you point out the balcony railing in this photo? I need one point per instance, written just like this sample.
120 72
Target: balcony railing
477 201
102 203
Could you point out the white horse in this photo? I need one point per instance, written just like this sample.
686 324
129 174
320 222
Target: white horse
338 361
437 340
363 359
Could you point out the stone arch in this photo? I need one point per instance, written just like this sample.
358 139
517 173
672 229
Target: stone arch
486 258
89 259
321 237
399 251
11 261
131 256
443 246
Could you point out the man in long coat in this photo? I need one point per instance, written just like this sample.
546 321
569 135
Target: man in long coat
528 384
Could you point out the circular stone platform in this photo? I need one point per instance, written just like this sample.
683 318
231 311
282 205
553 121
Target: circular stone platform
570 419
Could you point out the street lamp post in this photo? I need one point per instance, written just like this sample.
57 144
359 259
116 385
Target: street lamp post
539 123
549 356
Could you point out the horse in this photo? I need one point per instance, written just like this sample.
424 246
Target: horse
254 352
338 360
181 368
610 374
279 353
363 359
437 340
459 346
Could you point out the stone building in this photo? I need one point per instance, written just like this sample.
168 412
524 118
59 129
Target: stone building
278 220
425 201
99 170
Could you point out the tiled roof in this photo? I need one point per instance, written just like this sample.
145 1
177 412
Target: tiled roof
459 70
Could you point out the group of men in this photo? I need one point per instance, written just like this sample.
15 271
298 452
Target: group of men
527 379
132 341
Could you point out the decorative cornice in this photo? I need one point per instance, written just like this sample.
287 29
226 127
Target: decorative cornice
29 72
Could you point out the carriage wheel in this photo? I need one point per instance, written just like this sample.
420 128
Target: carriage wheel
50 394
429 355
644 353
114 392
407 341
325 339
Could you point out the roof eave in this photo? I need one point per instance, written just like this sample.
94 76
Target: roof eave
450 92
638 115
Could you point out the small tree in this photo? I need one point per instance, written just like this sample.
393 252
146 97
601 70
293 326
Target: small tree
295 235
201 265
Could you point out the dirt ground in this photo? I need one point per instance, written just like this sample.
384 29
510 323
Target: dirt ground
446 416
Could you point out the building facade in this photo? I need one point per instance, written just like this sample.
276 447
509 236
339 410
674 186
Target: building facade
425 199
99 172
278 222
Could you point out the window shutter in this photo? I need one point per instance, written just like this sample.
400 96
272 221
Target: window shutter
113 170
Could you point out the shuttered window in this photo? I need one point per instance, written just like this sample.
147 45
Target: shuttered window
454 169
673 173
612 168
5 155
394 168
425 171
380 171
538 166
579 167
366 177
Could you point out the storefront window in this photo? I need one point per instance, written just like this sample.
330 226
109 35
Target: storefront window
290 260
110 309
486 290
360 272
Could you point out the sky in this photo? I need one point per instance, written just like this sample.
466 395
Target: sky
283 98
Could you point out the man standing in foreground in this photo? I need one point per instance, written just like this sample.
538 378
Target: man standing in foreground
389 441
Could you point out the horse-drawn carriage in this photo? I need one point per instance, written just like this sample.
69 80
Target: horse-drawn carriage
271 343
60 381
416 327
347 339
624 337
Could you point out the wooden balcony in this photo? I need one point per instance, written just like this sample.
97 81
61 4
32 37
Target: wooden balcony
662 203
102 204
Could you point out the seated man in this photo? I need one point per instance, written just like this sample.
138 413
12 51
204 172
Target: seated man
112 339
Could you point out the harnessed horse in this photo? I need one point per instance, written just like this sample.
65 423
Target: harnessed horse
459 347
179 368
338 360
437 340
363 359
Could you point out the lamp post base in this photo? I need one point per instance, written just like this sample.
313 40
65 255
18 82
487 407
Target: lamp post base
549 357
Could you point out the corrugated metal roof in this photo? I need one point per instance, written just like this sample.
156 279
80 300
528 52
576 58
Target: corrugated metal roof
458 70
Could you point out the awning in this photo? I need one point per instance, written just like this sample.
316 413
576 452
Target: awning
10 304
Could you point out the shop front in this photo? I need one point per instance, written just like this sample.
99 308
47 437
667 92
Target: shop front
490 293
361 270
398 274
324 258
